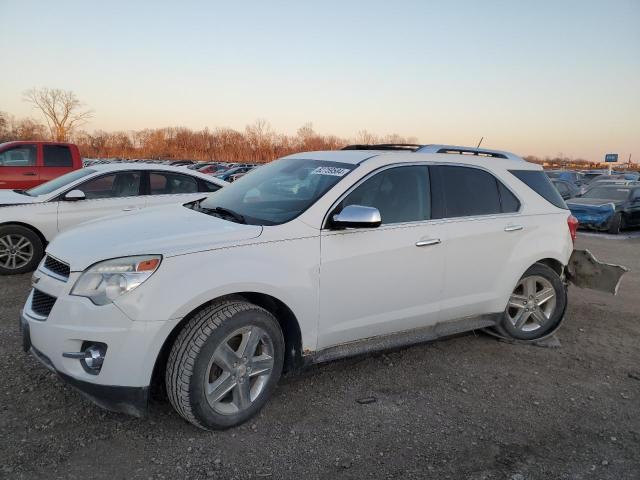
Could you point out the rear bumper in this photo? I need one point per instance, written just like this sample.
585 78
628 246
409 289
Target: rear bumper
585 271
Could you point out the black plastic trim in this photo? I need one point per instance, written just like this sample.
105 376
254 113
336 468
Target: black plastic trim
130 400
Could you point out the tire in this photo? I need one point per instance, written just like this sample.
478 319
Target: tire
205 357
530 316
616 224
21 250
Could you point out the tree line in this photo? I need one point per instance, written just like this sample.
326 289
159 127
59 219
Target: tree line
64 114
258 142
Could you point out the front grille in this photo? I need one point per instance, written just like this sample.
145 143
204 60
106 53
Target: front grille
41 303
56 266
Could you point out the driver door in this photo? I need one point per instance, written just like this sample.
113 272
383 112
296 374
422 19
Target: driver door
105 195
377 281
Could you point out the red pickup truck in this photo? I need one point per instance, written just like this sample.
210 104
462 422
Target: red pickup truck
24 165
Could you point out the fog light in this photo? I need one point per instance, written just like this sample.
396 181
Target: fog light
91 357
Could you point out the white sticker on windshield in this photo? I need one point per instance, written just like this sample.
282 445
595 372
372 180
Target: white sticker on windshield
333 171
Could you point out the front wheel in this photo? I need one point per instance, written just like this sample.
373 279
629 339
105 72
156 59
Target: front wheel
536 305
225 364
20 250
616 224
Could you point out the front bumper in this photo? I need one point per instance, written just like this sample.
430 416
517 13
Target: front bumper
123 382
116 398
595 218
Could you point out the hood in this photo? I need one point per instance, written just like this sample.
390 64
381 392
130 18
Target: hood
166 230
592 202
9 197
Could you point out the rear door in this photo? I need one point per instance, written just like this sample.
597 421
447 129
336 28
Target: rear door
377 281
107 194
481 226
56 160
19 167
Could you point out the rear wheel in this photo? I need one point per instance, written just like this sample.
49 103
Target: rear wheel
536 305
616 224
20 250
225 364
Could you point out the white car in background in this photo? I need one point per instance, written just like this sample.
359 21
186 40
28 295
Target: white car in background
30 219
310 258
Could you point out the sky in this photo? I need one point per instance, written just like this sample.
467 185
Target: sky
537 78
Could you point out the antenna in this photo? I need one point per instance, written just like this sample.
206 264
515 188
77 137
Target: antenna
481 138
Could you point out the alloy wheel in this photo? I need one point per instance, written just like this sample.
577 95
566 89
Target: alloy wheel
531 304
239 370
16 251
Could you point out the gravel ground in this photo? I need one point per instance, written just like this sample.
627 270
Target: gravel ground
468 407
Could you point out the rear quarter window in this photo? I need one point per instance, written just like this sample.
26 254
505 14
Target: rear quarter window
538 181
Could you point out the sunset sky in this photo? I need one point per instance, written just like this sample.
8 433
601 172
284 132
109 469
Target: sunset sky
535 77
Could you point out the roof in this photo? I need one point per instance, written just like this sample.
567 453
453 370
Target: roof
356 157
119 167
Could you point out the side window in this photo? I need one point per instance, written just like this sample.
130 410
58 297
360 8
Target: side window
19 156
208 186
124 184
508 200
468 191
562 188
166 183
540 183
401 194
57 156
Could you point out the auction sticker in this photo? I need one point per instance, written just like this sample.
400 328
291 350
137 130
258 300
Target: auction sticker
333 171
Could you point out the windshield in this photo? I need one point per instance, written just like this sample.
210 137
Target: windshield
56 183
279 191
607 193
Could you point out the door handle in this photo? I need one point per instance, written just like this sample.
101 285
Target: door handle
129 209
29 174
426 243
513 228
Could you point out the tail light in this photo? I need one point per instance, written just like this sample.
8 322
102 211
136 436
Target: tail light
573 223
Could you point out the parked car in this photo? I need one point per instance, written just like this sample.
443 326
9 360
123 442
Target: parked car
213 169
32 218
228 175
570 176
608 207
592 175
313 257
565 189
26 165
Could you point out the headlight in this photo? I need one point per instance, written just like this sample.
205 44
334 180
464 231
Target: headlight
105 281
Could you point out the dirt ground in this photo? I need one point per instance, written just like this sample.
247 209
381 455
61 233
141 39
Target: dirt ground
469 407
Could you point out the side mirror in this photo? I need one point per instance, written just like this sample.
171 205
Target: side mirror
357 216
74 196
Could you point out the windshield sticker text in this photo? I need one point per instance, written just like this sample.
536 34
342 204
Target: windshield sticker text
333 171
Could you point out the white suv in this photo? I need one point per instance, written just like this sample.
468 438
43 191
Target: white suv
313 257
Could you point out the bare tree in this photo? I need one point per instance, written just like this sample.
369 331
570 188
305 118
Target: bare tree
62 110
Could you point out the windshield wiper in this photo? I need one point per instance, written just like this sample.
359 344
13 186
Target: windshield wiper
22 192
225 212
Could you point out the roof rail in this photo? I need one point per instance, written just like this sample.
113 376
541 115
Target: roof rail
412 147
454 149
